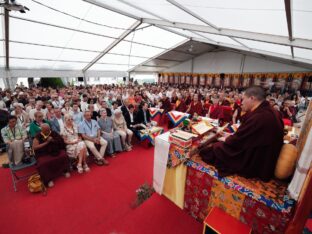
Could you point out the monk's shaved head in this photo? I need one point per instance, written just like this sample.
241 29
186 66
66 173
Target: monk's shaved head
257 92
45 128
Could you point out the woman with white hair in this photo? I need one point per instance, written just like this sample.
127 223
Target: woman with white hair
121 128
21 115
75 146
108 133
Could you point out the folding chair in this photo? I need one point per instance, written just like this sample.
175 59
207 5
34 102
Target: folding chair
16 168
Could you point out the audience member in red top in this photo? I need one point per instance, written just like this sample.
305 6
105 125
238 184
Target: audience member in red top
207 103
137 98
188 98
215 110
223 100
195 107
166 105
174 97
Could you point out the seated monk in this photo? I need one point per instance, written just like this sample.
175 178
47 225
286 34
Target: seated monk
196 107
50 154
215 110
180 104
254 149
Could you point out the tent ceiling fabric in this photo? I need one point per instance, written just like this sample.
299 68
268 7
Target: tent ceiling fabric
72 34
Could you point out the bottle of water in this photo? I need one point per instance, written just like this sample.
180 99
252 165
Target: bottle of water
238 123
27 147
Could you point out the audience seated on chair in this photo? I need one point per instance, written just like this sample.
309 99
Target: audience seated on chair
75 147
21 115
91 134
39 105
14 135
121 128
130 118
143 117
50 154
180 104
196 107
109 134
215 110
34 126
77 114
57 122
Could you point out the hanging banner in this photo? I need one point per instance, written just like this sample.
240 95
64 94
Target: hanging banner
257 79
209 79
281 80
235 82
296 81
307 81
263 80
188 78
202 79
159 79
166 78
217 80
176 78
182 78
227 80
268 82
195 79
246 80
171 78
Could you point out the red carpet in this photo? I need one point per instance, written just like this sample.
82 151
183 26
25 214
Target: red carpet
97 202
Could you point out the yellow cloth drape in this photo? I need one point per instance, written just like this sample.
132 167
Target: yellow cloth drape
174 184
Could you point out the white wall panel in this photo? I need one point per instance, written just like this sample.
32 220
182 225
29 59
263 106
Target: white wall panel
229 62
182 67
217 62
253 64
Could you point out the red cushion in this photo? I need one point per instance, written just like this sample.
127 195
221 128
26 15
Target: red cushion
288 122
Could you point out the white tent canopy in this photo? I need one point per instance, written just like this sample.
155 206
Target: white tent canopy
107 37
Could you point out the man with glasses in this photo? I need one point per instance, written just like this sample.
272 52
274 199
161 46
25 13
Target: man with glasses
14 135
91 133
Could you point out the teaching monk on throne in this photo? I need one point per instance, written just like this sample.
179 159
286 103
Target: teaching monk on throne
253 150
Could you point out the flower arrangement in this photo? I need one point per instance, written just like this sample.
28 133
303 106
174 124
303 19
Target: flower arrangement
144 192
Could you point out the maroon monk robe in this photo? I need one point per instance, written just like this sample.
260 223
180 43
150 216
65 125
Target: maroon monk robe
196 108
51 159
181 107
166 105
216 112
253 150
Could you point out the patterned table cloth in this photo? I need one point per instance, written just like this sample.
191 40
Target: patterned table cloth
264 206
177 117
155 111
150 134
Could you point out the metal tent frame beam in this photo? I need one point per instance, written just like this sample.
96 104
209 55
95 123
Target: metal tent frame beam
188 11
163 52
71 48
81 31
288 11
294 61
268 38
7 38
113 44
59 73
